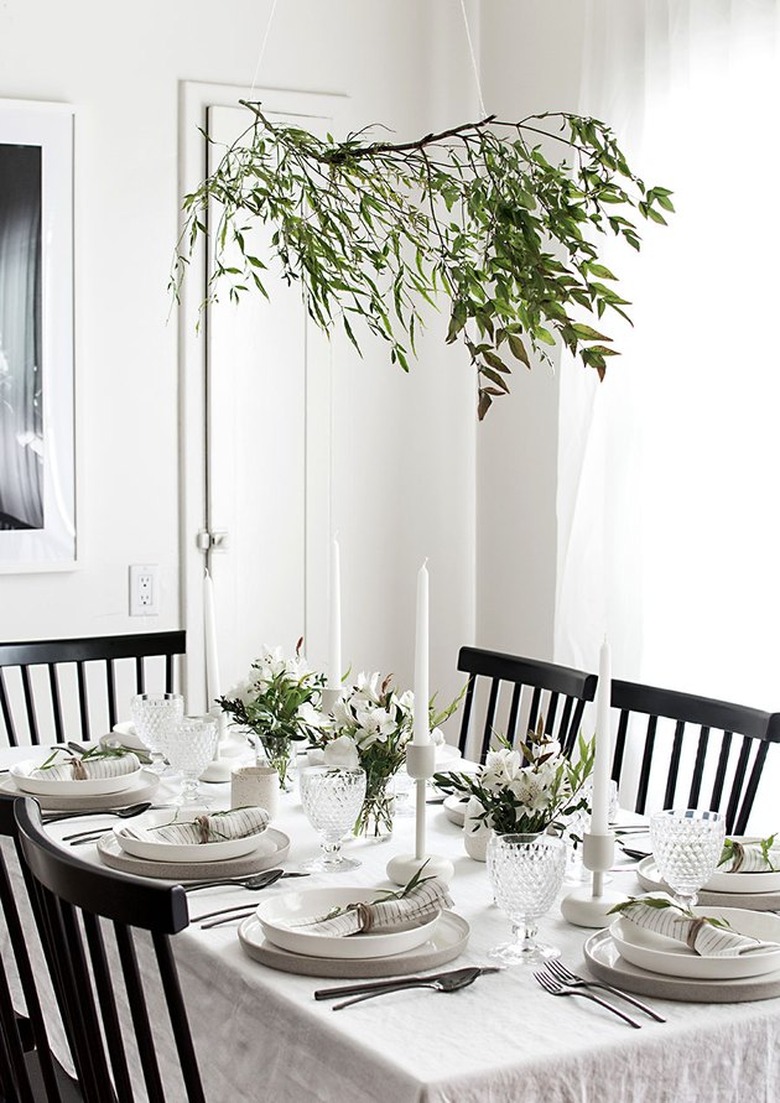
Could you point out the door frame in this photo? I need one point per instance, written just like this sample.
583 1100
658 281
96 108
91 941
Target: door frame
194 100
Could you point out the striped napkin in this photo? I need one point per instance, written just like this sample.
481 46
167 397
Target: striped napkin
210 827
419 906
758 857
697 932
78 768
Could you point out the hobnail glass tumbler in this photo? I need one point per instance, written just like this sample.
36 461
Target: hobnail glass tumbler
189 747
687 845
332 797
526 872
154 714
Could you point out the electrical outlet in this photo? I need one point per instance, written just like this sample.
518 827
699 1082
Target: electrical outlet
144 590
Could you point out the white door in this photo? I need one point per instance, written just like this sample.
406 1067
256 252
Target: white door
265 462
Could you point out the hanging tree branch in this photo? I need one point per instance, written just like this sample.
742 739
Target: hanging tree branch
371 231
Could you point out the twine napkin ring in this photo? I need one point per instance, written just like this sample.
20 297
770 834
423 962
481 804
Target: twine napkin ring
694 928
738 856
77 768
365 916
203 824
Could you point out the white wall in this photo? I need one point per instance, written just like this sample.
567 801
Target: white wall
518 441
404 457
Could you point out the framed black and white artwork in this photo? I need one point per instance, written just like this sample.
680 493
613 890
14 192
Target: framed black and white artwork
37 491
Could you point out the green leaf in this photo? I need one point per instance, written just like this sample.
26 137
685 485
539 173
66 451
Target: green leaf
588 333
518 349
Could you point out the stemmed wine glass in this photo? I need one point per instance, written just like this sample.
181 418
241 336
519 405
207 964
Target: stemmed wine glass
332 797
687 845
153 715
189 747
526 872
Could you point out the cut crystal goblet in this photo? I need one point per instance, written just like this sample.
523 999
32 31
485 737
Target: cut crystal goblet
687 845
332 797
526 872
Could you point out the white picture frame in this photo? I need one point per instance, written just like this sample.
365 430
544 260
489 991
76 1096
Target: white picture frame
37 445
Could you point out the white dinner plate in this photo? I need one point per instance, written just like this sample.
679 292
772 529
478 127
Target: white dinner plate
445 754
161 851
126 734
447 942
143 787
455 808
664 955
277 914
41 786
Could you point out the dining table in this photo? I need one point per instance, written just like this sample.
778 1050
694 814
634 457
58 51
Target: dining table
260 1034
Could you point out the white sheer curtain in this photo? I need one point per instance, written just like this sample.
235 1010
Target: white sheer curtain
669 470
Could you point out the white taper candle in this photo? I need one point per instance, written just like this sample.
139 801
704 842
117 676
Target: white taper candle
210 642
421 732
334 637
599 823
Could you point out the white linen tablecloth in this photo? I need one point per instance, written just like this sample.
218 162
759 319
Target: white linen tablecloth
261 1035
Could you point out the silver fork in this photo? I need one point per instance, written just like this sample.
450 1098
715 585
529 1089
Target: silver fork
573 980
555 988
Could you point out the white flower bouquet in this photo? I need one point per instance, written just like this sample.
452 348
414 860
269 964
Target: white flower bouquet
527 789
278 702
370 726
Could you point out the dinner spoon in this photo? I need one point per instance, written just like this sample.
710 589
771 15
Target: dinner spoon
125 813
439 984
256 881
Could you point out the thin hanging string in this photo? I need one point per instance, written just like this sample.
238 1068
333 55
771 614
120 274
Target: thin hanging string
263 45
474 65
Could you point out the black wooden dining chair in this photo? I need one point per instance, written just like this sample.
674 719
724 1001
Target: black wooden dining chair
674 749
55 690
111 997
29 1071
531 689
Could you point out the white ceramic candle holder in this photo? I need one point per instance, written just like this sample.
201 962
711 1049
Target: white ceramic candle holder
329 699
589 905
420 765
221 765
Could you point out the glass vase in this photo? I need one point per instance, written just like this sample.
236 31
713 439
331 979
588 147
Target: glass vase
276 753
375 820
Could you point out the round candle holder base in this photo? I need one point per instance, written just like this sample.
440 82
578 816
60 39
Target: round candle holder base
217 771
403 867
583 909
228 748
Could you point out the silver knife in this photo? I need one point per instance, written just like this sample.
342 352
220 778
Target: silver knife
398 982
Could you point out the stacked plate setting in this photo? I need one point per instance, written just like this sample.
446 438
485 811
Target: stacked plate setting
130 848
273 935
759 891
643 961
89 794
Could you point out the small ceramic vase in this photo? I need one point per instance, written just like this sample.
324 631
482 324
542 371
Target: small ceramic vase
476 833
255 786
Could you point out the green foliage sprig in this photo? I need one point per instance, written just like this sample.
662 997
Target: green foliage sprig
662 902
374 230
732 849
92 754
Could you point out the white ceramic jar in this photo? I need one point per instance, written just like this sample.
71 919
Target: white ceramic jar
255 786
